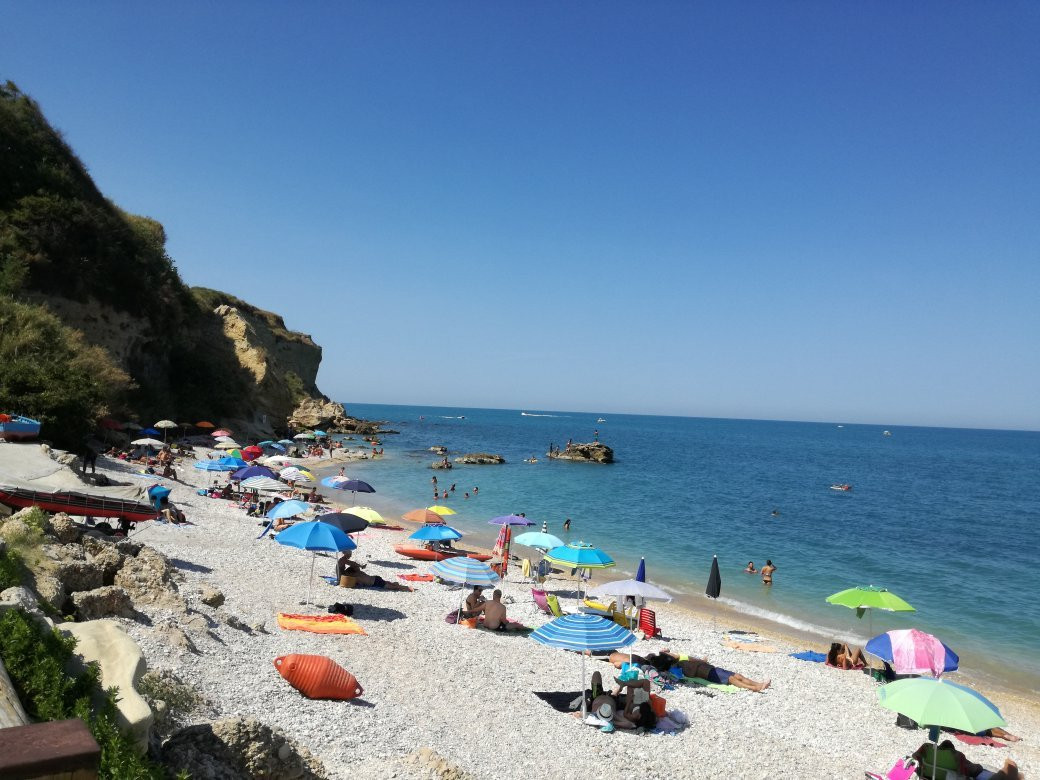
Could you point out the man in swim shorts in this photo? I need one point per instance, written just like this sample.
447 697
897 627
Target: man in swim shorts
495 615
702 669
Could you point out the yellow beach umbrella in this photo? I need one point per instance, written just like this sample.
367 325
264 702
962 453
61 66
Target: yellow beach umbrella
442 510
367 513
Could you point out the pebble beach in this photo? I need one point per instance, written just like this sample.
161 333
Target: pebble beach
440 700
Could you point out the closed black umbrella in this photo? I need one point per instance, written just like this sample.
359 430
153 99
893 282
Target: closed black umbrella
714 579
344 521
714 585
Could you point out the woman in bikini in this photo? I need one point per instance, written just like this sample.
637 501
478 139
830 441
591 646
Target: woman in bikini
841 656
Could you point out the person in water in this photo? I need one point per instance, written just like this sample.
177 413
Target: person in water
750 568
775 513
767 572
567 524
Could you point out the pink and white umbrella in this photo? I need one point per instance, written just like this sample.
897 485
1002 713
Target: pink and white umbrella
913 652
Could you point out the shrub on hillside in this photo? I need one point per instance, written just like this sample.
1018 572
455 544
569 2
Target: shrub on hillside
49 372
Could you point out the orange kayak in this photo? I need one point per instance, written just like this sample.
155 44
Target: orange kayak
422 554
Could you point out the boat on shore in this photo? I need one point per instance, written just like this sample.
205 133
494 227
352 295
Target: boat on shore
425 554
14 427
78 504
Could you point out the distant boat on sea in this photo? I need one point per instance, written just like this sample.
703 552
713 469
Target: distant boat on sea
886 433
600 419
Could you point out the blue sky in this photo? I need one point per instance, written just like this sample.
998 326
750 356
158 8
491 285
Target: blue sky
802 210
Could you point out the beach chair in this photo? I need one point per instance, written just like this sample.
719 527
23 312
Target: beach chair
554 605
540 599
944 765
648 623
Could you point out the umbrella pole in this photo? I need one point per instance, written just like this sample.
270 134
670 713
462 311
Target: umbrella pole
310 579
584 709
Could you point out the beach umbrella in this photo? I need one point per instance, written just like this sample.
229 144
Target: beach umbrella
286 442
368 513
355 486
510 520
539 540
205 424
222 438
913 652
442 510
265 484
344 521
304 436
288 509
163 425
869 597
940 704
436 533
252 453
296 474
714 586
217 465
581 633
464 571
579 556
157 493
230 444
220 432
253 471
315 536
319 433
422 516
641 571
635 588
264 443
147 442
277 459
149 432
275 446
132 426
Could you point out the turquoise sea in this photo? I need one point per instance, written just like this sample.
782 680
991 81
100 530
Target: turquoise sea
946 518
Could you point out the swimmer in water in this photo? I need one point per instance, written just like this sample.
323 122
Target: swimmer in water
767 572
750 568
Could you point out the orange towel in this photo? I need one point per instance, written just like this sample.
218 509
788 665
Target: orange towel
416 577
319 624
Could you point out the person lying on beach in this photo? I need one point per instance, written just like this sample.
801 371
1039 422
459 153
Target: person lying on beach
495 615
949 757
349 568
703 670
841 656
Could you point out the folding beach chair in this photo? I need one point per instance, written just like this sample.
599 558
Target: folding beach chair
903 769
648 623
540 599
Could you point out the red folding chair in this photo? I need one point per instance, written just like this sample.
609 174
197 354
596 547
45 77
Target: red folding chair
648 623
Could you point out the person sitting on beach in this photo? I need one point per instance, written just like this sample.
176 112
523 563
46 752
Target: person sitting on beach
475 602
226 491
750 568
171 513
703 670
169 472
949 757
345 567
495 614
841 656
636 712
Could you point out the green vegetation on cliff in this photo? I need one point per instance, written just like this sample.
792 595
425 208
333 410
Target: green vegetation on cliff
105 274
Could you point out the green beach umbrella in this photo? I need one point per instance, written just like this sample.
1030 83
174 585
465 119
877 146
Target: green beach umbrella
940 703
867 597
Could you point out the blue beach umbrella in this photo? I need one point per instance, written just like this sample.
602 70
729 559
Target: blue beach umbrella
151 432
253 471
641 572
264 443
913 652
579 556
511 520
581 633
223 464
315 536
275 446
157 493
286 442
538 540
343 483
319 433
288 509
436 533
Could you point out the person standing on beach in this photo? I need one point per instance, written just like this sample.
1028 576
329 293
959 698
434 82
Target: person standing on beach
767 572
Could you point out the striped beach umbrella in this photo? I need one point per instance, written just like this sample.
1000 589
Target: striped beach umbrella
266 484
581 633
465 571
296 474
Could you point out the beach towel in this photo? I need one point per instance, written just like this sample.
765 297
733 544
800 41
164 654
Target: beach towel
416 577
519 629
809 655
715 686
330 579
751 648
971 739
856 668
319 624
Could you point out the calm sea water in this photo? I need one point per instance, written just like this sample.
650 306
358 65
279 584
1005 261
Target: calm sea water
946 518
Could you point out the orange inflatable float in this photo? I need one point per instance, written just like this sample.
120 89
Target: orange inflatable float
318 677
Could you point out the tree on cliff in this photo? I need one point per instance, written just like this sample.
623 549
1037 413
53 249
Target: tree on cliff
49 372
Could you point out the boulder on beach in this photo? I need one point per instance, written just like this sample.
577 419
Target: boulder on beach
591 452
480 459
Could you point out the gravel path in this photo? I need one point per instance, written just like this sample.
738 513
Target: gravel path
468 694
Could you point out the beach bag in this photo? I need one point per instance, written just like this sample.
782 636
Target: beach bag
658 705
469 622
318 677
347 582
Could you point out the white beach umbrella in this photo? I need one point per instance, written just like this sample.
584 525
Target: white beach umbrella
275 460
148 442
293 474
227 445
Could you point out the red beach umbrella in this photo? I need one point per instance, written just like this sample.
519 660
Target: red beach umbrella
205 424
252 453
